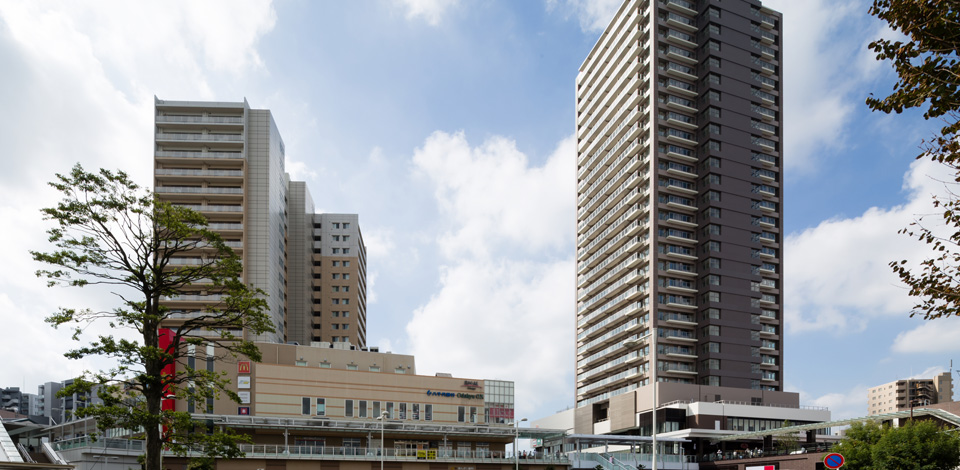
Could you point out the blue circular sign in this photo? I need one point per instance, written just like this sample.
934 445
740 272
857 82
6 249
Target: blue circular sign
833 461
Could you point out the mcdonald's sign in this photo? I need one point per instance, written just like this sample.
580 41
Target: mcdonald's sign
243 367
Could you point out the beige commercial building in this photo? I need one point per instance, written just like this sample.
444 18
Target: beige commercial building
226 161
909 393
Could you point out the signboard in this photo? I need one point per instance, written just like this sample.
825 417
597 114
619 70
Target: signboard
833 461
244 397
243 367
243 382
471 384
497 412
761 467
463 467
431 454
243 410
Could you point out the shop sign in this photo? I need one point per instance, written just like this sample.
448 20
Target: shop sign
243 382
243 367
463 467
244 397
496 412
471 384
243 410
468 396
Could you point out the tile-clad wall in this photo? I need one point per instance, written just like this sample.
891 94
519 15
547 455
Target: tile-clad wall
299 263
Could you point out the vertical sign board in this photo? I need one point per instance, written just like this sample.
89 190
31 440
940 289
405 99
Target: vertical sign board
243 367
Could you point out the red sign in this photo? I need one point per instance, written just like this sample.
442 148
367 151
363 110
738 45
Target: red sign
500 412
243 410
833 461
243 367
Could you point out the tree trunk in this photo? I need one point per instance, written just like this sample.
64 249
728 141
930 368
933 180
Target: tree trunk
154 445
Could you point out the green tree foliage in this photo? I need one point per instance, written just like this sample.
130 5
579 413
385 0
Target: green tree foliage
918 445
110 232
928 68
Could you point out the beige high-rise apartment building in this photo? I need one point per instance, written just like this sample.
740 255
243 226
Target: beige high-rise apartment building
226 160
679 268
909 393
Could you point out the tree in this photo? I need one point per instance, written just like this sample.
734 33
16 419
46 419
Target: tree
787 443
917 445
928 68
110 232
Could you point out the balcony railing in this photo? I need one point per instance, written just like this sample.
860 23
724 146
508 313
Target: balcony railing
187 154
201 119
201 137
192 172
197 190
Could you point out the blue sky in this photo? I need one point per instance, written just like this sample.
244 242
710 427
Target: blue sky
447 125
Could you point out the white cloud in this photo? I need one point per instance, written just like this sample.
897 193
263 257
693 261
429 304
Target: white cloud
431 11
505 302
593 15
843 404
495 199
936 336
837 271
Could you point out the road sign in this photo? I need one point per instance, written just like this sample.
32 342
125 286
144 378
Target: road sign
833 461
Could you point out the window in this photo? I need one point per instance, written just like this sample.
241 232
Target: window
336 251
346 237
346 264
336 275
336 326
713 95
345 326
335 264
345 288
713 129
711 380
711 330
345 313
713 45
710 364
336 288
428 412
336 238
301 363
305 406
346 251
714 12
352 367
711 229
376 409
336 225
346 276
335 314
711 196
346 225
336 301
345 301
713 280
712 162
399 370
713 62
415 412
711 297
711 314
712 178
713 111
321 407
348 408
390 410
711 263
710 347
473 414
713 246
461 413
712 212
374 368
325 365
403 411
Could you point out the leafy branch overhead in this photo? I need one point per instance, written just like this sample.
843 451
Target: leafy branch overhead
928 69
108 231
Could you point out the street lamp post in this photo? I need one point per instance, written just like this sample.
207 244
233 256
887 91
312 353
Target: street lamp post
383 421
516 436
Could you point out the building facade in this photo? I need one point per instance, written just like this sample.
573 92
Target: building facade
909 393
226 160
679 266
339 276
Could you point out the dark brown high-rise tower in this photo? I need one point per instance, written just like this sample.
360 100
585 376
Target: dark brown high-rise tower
679 202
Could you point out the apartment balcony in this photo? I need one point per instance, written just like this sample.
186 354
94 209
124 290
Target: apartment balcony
184 137
680 319
682 22
190 175
688 338
213 120
164 155
681 6
675 120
